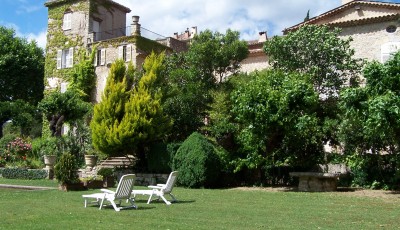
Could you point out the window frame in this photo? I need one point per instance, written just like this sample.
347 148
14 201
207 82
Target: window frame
65 58
67 21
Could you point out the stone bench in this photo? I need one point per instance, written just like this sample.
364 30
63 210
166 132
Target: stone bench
316 181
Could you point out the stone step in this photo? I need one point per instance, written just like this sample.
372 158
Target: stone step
112 162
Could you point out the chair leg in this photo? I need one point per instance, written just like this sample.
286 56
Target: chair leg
173 198
102 201
132 202
165 200
149 200
85 202
115 205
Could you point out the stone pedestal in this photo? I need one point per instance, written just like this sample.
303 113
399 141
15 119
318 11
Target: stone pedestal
49 161
316 182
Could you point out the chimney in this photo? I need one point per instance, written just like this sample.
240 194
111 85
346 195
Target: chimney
176 35
262 37
193 31
346 1
135 26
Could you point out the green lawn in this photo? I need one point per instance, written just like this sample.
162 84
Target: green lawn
199 209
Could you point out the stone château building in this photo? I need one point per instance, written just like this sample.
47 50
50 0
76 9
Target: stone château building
78 26
81 25
373 26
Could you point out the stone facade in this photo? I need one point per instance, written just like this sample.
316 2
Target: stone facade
373 26
100 24
257 59
369 40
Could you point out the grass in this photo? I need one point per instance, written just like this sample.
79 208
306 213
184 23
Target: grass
199 209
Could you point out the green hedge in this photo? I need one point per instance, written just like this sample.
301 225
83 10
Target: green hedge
198 163
21 173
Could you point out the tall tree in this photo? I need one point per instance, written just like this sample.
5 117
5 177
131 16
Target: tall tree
277 119
371 114
318 51
370 125
129 115
216 54
21 78
21 68
191 76
307 16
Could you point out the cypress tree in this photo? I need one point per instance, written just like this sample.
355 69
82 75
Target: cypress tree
130 115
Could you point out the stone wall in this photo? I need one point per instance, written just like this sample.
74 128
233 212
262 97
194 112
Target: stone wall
254 62
368 39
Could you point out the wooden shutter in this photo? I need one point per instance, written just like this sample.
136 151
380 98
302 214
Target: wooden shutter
59 59
121 52
102 56
128 53
67 22
70 58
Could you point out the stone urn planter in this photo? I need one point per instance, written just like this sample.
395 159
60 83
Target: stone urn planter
49 161
90 161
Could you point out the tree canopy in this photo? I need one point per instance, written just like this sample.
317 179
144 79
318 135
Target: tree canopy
129 115
190 77
21 68
370 120
277 119
318 51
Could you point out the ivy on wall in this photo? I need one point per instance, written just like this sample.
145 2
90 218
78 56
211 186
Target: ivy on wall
56 39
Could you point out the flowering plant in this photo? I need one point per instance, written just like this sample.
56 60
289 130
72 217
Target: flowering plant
17 150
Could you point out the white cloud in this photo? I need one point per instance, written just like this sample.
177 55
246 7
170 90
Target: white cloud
40 38
250 17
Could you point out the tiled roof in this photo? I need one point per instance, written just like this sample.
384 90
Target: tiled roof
121 7
344 7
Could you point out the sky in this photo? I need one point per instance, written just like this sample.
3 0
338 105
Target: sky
249 17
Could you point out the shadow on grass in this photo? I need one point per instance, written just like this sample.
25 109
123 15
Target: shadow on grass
110 207
162 202
347 189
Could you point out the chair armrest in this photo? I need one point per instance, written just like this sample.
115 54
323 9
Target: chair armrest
107 191
155 187
160 185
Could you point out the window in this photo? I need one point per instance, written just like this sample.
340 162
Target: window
67 22
125 52
388 49
96 30
65 58
100 58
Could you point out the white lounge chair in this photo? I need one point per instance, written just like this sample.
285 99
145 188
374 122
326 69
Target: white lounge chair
123 192
160 190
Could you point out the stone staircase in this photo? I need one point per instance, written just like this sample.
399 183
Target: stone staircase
119 162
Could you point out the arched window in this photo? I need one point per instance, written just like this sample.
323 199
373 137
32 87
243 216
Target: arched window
391 29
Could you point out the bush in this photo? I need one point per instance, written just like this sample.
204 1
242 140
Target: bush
197 162
4 142
66 169
105 172
21 173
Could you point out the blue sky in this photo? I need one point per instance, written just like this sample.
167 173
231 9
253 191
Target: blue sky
29 17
